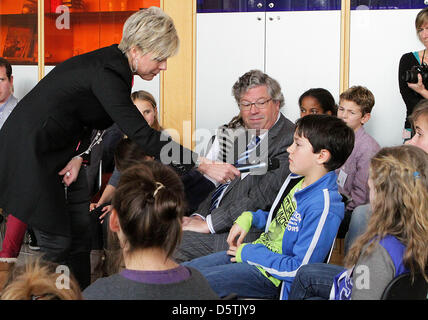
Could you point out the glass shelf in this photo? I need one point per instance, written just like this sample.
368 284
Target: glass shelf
89 25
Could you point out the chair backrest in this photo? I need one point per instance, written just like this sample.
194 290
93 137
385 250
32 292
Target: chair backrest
327 259
402 288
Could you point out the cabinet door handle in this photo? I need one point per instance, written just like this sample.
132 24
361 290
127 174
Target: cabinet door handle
271 5
259 18
259 5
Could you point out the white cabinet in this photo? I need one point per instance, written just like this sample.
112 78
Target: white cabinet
303 52
299 49
227 46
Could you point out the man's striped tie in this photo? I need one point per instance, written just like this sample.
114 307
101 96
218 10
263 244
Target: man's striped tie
216 196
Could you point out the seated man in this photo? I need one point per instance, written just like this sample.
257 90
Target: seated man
259 98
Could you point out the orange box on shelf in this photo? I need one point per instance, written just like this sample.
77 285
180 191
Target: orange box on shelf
114 5
150 3
11 6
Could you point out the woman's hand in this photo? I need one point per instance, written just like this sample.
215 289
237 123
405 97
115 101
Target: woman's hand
220 171
71 170
419 87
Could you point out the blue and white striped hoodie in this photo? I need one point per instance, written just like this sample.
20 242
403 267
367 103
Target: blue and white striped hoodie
309 235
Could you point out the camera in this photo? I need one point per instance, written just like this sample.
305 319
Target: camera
411 75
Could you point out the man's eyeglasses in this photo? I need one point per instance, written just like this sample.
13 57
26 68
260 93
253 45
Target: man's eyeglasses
261 104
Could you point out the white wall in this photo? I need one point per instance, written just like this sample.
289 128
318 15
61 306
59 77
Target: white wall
378 40
303 52
24 79
227 46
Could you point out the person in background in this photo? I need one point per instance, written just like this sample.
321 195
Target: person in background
413 92
148 207
317 101
146 105
419 121
355 107
197 186
7 99
395 240
7 103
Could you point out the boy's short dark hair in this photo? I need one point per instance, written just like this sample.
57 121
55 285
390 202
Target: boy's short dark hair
330 133
361 96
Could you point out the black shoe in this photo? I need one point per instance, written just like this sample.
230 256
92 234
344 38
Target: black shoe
32 241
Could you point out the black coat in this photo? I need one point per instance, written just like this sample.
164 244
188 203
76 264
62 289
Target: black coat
41 134
410 97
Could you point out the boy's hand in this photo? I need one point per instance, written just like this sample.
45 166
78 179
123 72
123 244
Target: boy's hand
232 252
236 232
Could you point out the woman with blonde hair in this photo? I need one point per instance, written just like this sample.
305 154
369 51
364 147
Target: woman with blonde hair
88 91
412 88
395 240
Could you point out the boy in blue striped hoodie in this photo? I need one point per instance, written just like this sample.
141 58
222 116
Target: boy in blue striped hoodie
301 225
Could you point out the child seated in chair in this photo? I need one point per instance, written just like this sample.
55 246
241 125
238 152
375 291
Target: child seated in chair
355 107
301 225
148 207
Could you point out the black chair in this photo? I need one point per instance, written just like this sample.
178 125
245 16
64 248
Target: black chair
402 288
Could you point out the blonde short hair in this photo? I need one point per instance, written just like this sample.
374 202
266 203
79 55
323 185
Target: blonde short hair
152 31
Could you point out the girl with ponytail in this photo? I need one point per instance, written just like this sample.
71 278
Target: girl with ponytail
148 208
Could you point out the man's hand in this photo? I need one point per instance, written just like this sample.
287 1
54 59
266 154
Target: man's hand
196 224
220 171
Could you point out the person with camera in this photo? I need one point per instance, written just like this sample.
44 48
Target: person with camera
413 72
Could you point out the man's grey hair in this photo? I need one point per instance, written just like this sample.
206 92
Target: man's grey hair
255 78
